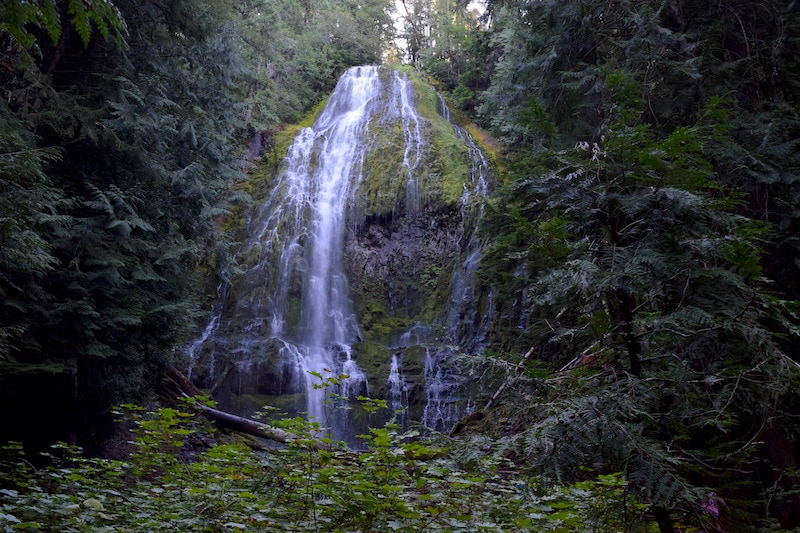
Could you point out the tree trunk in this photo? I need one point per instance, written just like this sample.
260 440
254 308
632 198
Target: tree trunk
621 305
252 427
784 457
662 519
180 386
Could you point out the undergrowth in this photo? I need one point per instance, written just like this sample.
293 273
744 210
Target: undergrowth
180 476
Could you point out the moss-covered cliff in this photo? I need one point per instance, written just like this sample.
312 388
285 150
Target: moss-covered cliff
408 230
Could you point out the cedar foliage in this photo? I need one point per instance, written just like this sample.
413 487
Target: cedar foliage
644 236
296 52
117 161
646 241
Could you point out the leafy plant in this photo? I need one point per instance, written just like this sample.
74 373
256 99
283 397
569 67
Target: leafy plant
21 19
179 477
633 252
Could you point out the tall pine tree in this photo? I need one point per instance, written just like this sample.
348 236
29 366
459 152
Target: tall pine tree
144 136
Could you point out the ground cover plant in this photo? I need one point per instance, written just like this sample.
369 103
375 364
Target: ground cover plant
181 475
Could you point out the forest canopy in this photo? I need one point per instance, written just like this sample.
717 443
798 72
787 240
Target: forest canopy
643 239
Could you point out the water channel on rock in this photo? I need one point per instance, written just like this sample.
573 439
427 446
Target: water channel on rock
365 189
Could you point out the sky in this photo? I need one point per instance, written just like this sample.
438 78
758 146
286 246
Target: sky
400 11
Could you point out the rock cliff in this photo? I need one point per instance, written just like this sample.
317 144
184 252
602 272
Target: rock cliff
414 183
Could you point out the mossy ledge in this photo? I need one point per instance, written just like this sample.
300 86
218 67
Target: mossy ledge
400 254
400 260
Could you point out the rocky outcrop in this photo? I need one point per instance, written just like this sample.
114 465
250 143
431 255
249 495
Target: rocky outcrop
400 271
408 237
400 276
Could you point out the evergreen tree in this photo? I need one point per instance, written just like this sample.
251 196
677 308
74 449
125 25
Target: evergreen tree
145 136
639 248
297 51
444 38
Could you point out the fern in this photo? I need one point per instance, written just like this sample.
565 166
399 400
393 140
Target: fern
15 16
19 18
9 337
50 20
601 430
80 19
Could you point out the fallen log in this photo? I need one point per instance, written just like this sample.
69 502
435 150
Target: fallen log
181 386
255 428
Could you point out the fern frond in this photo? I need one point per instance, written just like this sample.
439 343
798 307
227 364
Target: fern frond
80 20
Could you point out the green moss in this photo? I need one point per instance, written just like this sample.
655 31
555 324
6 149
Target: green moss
450 164
375 360
378 323
441 175
437 300
382 188
262 174
402 67
312 115
274 407
453 164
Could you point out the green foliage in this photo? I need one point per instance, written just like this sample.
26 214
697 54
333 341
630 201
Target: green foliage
638 240
117 166
101 13
175 479
443 39
21 20
296 52
29 205
657 284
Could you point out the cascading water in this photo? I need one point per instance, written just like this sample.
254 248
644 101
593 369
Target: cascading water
288 328
446 398
412 153
398 392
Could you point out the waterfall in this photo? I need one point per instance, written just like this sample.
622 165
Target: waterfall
398 392
194 348
446 396
413 147
322 168
287 332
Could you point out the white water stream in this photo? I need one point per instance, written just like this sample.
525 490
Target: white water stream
299 321
300 234
322 170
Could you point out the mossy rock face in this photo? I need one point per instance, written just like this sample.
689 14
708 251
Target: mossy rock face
401 252
438 168
263 369
399 272
412 366
406 235
374 359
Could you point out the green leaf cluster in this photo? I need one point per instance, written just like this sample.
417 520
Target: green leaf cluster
444 39
117 164
178 477
23 21
296 52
